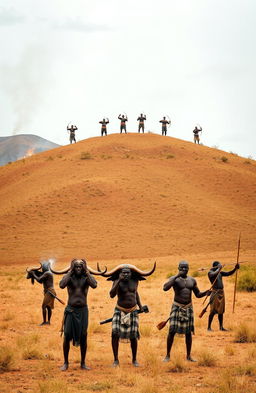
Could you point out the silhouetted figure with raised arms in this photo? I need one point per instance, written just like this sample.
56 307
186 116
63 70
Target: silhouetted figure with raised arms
164 122
196 134
72 133
141 120
104 123
123 119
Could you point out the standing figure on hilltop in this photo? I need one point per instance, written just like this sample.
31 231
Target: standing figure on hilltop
44 277
164 125
78 278
141 120
217 299
123 119
125 322
182 316
196 134
72 136
104 123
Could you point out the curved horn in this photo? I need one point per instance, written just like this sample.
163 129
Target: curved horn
96 272
64 271
132 267
143 273
33 268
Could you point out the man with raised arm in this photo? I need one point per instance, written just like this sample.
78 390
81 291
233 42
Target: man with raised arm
141 120
45 277
72 133
196 134
217 305
104 123
164 125
123 119
75 322
182 316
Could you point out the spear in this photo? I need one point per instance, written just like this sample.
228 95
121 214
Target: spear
237 260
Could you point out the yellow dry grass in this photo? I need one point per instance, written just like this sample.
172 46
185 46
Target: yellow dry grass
36 352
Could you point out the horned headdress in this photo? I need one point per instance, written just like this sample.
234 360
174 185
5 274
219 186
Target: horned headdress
71 266
136 272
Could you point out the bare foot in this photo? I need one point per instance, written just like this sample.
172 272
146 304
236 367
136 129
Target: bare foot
210 330
84 367
166 359
135 363
64 367
116 363
43 323
223 329
189 358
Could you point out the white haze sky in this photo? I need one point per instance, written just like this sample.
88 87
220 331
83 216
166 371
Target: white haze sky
79 61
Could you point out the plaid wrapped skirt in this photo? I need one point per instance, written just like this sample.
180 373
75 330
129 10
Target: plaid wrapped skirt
125 325
181 319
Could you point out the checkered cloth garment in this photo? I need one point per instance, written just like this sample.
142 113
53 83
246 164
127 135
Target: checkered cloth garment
125 325
181 319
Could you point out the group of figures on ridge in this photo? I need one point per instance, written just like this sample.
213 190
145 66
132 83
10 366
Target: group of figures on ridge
141 127
78 277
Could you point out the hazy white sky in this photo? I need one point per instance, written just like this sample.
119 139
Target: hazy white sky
80 61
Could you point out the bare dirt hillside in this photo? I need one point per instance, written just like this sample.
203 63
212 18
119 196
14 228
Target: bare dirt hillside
126 196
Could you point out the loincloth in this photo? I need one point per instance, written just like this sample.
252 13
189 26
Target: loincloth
48 300
181 318
125 323
75 323
218 302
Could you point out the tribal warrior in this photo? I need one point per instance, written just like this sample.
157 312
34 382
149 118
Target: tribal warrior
123 119
196 134
182 316
104 123
217 299
164 125
44 277
141 120
77 280
72 136
125 323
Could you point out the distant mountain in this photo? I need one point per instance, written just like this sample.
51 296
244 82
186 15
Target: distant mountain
13 148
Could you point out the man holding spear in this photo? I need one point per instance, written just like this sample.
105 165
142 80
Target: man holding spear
217 299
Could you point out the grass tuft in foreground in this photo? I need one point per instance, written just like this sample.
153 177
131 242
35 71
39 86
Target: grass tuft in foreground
6 359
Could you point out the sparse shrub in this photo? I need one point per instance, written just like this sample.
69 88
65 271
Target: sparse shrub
247 280
245 333
85 156
178 365
8 316
32 354
50 158
224 159
228 383
246 369
207 359
247 162
6 358
170 156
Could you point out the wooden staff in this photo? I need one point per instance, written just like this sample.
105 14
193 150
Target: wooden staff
237 260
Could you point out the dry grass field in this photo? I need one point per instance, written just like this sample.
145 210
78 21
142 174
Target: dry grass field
136 199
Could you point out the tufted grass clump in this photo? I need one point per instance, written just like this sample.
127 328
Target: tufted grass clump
55 386
245 333
85 155
224 159
100 386
6 358
206 359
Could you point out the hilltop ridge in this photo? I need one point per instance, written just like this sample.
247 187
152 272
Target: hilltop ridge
126 196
